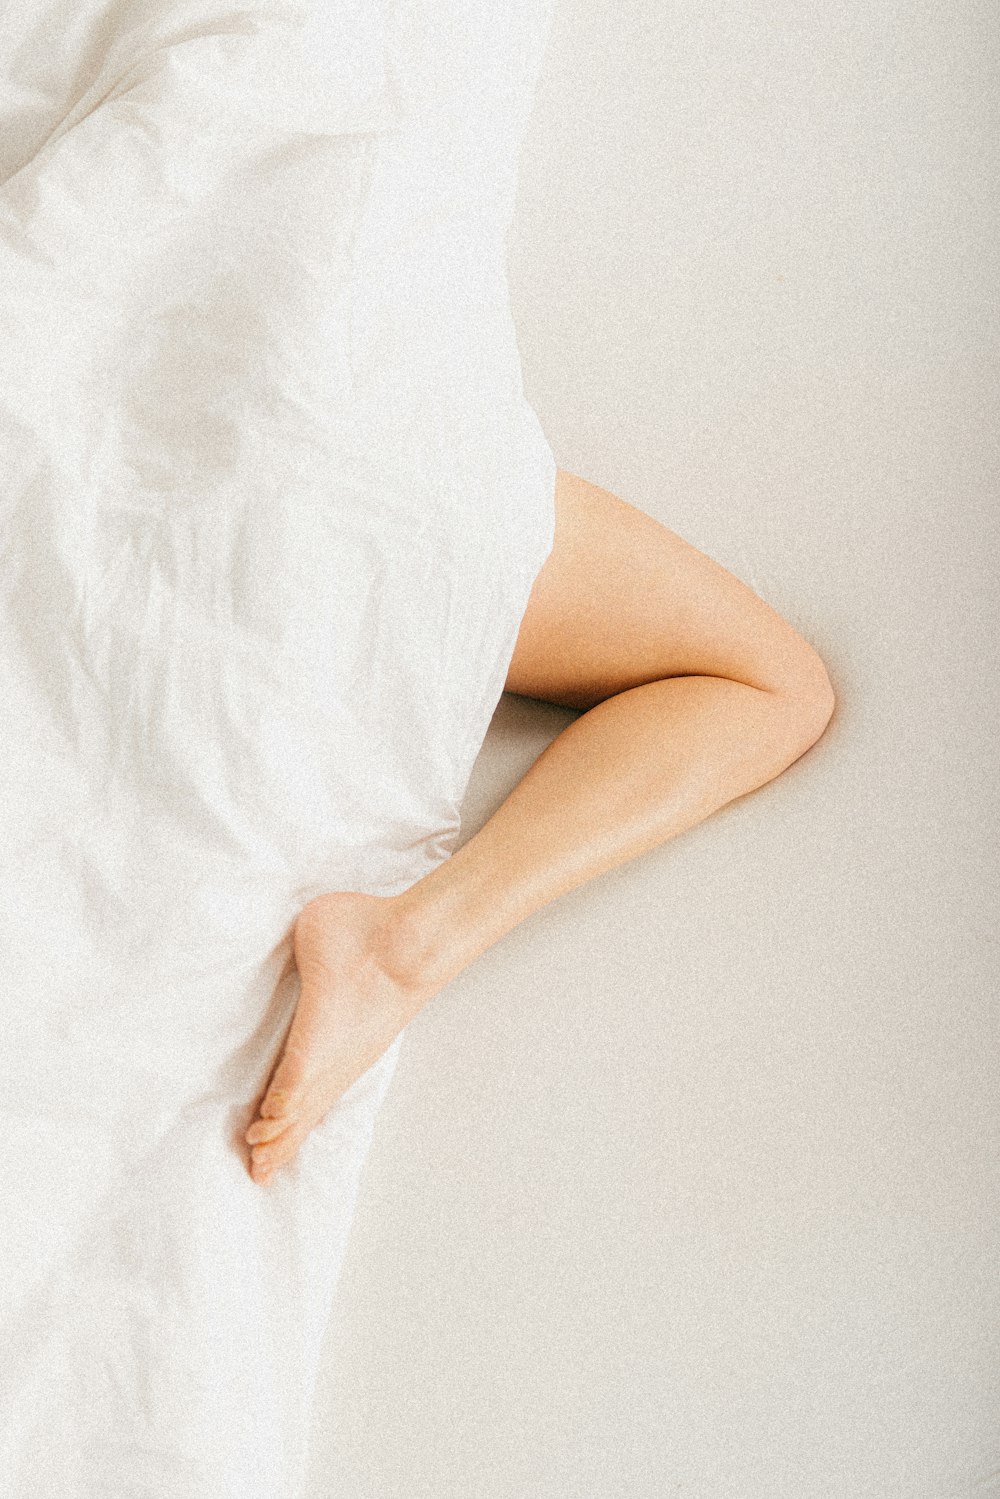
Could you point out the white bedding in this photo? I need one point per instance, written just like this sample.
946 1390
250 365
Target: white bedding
272 504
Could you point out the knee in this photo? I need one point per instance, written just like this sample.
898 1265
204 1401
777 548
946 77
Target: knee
810 697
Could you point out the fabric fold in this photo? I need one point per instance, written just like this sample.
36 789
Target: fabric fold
272 506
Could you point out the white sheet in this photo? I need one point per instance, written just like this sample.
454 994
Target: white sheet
273 502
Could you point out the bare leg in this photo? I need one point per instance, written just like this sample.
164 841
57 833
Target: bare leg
695 692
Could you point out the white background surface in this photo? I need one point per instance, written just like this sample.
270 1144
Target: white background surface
689 1186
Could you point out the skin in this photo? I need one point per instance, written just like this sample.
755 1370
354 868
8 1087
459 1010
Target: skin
693 692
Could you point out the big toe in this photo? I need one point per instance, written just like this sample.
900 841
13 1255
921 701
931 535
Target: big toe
285 1091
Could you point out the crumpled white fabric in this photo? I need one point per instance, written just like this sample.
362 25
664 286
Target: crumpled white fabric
272 504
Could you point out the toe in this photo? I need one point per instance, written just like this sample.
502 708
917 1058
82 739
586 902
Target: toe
286 1086
260 1170
278 1103
278 1152
265 1129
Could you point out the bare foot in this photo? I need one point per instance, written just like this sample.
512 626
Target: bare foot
352 1005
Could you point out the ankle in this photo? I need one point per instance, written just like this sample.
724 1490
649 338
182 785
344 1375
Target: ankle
420 942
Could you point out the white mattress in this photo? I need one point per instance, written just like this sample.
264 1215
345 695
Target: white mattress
273 503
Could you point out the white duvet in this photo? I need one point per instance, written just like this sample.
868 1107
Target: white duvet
272 504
